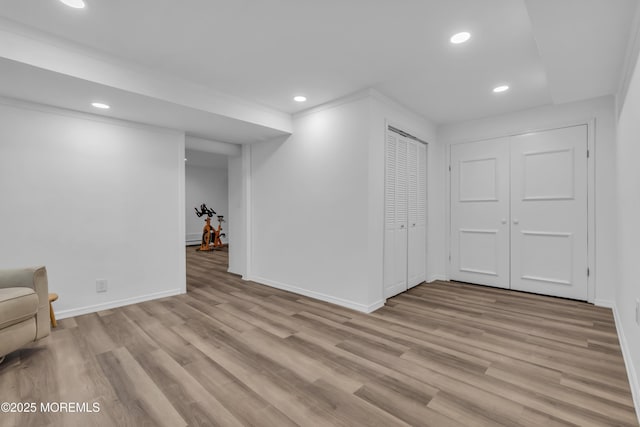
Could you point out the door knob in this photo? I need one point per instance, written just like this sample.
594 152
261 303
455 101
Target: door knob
516 222
503 220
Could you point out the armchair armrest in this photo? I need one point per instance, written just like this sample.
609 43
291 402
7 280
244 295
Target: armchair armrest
36 279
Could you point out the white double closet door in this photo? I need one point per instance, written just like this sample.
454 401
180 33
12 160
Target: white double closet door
405 214
519 212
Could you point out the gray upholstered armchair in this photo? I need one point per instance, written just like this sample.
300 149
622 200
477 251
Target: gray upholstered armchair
24 307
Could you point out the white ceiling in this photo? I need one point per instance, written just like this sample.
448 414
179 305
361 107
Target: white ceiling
267 51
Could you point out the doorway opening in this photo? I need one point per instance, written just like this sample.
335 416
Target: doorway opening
206 183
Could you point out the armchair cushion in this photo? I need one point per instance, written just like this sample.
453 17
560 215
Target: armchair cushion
16 305
24 307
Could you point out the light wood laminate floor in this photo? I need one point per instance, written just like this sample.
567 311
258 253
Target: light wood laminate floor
232 352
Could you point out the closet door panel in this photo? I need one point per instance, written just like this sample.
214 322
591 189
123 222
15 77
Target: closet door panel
480 213
549 212
417 224
389 267
393 259
401 217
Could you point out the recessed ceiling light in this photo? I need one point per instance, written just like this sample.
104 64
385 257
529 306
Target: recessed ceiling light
100 105
76 4
502 88
460 37
299 98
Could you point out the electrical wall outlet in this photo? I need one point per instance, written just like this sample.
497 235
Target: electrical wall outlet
101 285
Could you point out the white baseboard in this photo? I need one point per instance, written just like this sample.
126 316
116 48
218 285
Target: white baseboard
114 304
193 238
436 277
628 361
375 306
317 295
604 303
234 273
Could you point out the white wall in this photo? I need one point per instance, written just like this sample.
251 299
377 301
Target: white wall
92 198
628 179
207 185
600 109
316 201
309 201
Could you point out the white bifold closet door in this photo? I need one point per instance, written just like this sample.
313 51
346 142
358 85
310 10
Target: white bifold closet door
417 214
519 212
405 214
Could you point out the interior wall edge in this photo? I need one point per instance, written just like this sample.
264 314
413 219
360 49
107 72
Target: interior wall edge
405 115
247 210
182 221
347 99
630 61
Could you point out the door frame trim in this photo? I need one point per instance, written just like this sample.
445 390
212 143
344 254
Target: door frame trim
590 122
